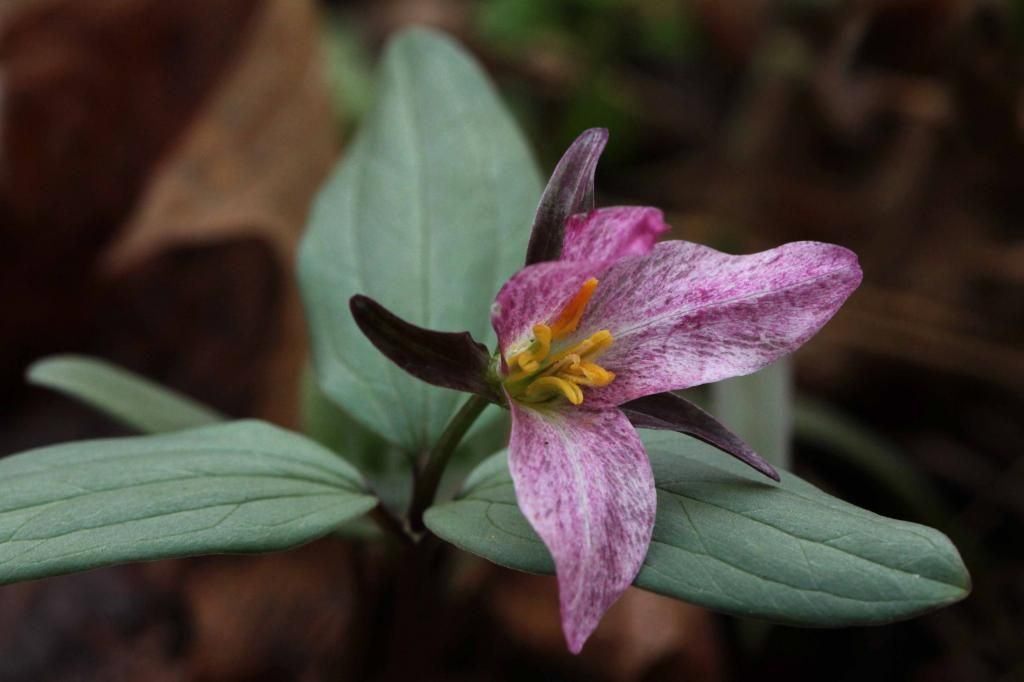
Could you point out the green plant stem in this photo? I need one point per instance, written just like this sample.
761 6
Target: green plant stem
430 478
390 524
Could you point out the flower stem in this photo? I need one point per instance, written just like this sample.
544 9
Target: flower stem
390 524
427 482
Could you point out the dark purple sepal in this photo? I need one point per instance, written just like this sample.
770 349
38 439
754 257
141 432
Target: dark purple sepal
447 359
669 412
570 190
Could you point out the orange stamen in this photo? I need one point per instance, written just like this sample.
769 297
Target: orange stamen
536 375
569 318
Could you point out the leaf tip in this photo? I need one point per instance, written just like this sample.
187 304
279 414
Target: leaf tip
424 40
38 371
769 471
360 304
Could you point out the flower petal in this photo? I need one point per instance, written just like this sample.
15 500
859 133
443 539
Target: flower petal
570 190
670 412
537 293
612 233
447 359
584 482
688 315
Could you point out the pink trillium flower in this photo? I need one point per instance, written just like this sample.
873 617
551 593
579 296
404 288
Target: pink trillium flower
616 319
593 335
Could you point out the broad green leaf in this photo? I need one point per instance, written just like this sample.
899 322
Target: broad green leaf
125 396
725 539
363 529
428 213
236 487
384 465
759 408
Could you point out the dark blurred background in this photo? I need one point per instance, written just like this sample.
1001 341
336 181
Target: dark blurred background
157 160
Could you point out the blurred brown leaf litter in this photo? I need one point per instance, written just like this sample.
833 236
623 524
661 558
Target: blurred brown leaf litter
156 165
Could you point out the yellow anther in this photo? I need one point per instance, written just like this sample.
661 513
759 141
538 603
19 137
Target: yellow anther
596 344
536 375
589 348
569 318
593 375
528 361
542 340
548 387
565 363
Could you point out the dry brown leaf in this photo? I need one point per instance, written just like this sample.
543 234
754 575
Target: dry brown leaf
249 166
642 632
290 612
93 93
256 152
198 291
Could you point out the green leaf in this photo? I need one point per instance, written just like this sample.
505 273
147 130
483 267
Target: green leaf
428 213
759 408
237 487
725 539
385 466
125 396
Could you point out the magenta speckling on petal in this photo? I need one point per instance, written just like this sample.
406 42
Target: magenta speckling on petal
584 482
617 319
608 234
603 335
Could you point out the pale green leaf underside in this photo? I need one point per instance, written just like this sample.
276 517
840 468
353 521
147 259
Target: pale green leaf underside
237 487
429 213
125 396
726 540
758 407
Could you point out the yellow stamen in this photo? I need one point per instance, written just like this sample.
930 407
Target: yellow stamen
588 349
563 363
536 374
548 387
528 361
590 374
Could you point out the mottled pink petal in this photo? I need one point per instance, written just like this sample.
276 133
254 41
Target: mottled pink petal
536 294
584 482
688 315
684 314
612 233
